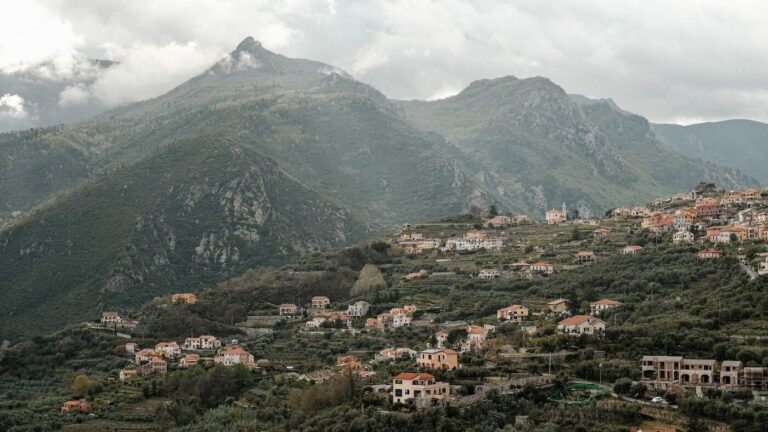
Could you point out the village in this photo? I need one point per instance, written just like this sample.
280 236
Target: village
428 349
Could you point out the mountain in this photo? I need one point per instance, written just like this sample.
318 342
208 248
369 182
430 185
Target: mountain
536 146
192 214
48 96
262 156
739 144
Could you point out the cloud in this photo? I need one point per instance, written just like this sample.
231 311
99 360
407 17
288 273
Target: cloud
76 94
665 60
12 105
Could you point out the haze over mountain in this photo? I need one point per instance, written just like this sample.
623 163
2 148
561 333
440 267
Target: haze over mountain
262 156
740 144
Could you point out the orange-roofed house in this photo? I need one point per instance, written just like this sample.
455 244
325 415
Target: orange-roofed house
126 374
556 216
371 323
598 306
76 406
515 313
234 355
348 362
189 360
155 365
631 250
435 358
558 305
585 256
708 208
418 388
711 253
146 355
110 318
476 337
320 302
187 298
169 349
581 324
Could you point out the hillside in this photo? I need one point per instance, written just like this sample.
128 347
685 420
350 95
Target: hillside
739 144
192 214
536 146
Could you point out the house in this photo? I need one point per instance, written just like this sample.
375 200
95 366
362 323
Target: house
762 268
391 354
131 347
542 267
489 273
556 216
585 256
189 360
358 309
499 220
559 305
320 302
418 388
204 342
155 365
288 309
682 237
76 406
476 337
631 250
438 358
187 298
755 378
415 275
371 323
473 241
696 371
315 322
621 212
393 319
126 374
146 355
110 318
234 355
348 362
601 232
168 349
516 313
711 253
598 306
581 324
708 208
730 370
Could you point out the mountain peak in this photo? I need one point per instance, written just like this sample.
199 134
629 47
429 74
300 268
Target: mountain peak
249 44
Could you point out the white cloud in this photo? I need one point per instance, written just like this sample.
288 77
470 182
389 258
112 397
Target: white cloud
12 105
72 95
665 60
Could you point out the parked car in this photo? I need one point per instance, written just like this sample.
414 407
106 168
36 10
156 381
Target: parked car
657 400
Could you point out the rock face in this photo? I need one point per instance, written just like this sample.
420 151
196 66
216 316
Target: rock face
192 214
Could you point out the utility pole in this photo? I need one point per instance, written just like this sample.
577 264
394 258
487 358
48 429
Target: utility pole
550 364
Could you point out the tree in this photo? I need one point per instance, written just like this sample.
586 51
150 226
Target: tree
623 386
695 423
456 336
83 386
493 211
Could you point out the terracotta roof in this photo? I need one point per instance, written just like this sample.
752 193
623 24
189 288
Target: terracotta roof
542 263
585 253
233 350
606 302
320 298
634 247
557 302
574 320
110 314
412 376
476 330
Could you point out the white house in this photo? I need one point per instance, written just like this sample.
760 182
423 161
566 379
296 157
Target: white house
581 324
230 356
320 302
358 309
682 237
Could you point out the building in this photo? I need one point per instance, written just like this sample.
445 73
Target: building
499 220
168 349
126 374
598 306
320 302
755 378
558 305
581 324
204 342
234 355
542 267
131 347
145 355
473 242
682 237
441 337
76 406
696 371
110 318
476 337
391 354
516 313
348 362
187 298
555 216
708 208
288 309
762 268
585 256
631 249
601 232
679 370
711 253
489 273
730 371
189 360
358 308
418 388
438 358
662 368
155 365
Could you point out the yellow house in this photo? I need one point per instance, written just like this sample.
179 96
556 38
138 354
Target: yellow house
447 359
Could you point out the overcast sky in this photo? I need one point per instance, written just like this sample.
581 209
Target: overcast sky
671 61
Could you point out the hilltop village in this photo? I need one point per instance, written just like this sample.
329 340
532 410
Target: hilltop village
654 316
